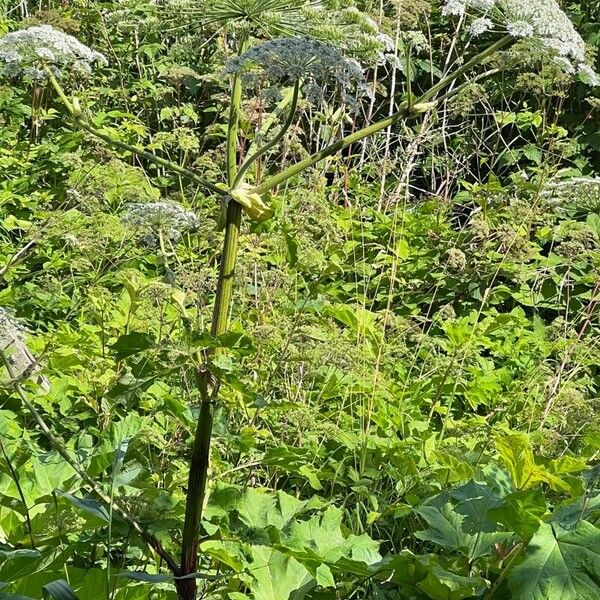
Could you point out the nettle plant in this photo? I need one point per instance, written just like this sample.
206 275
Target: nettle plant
300 53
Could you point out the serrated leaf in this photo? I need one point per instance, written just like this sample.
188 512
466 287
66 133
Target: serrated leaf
560 564
324 577
133 343
446 529
517 455
88 505
278 577
521 512
444 585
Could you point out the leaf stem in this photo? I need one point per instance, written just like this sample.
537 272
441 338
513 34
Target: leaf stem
84 124
403 112
272 143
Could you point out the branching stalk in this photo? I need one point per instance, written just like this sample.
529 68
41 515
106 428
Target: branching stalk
84 124
200 460
272 143
308 162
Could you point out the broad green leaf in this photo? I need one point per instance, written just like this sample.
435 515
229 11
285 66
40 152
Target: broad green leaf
517 455
229 553
324 577
278 577
521 512
571 512
15 564
51 471
133 343
59 590
446 529
322 537
473 501
444 585
92 507
357 318
560 564
259 509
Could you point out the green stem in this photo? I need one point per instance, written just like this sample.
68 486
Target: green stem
17 480
276 139
227 269
440 85
510 559
84 124
408 77
308 162
200 460
233 125
270 120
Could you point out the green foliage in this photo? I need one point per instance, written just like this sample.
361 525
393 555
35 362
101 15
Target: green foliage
409 387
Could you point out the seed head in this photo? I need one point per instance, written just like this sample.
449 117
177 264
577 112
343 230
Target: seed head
286 61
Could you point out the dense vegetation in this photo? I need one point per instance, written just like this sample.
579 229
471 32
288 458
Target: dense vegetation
396 396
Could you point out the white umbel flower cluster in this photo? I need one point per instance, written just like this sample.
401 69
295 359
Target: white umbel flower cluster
541 21
579 193
168 219
27 51
285 61
480 26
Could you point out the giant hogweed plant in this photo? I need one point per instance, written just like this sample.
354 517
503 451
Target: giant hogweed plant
297 65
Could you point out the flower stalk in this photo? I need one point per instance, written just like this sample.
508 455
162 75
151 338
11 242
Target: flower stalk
200 459
421 105
239 196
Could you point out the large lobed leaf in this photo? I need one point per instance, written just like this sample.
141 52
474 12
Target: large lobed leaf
560 564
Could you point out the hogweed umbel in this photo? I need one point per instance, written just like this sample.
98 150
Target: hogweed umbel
542 22
28 51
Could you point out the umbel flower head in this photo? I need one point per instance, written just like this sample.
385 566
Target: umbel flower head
581 194
543 22
27 51
285 61
155 218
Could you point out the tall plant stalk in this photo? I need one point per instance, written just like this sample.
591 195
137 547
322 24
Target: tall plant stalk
200 459
209 389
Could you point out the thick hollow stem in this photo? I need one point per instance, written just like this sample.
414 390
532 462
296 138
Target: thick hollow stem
404 112
198 475
233 127
200 460
227 269
195 497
